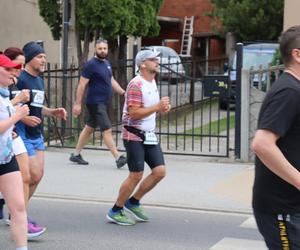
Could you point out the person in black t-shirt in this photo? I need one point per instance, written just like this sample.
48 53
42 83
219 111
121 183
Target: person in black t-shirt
276 190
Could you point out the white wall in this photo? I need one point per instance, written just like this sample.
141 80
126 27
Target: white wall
21 22
291 13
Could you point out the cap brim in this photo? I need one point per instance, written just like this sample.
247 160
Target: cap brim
18 66
11 65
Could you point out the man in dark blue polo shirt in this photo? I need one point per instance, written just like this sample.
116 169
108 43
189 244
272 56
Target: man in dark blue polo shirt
97 77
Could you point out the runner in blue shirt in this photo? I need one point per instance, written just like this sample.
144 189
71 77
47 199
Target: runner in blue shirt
30 129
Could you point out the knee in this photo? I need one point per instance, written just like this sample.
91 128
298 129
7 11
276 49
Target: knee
136 177
36 177
89 129
18 208
159 173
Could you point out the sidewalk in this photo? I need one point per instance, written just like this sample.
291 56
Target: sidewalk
191 182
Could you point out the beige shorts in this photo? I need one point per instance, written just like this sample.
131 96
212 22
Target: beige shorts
18 146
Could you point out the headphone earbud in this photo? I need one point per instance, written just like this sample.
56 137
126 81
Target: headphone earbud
143 66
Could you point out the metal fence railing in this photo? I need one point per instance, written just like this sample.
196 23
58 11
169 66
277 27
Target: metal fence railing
196 125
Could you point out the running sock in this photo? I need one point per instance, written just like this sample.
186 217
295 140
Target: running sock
117 157
134 201
76 153
22 248
115 208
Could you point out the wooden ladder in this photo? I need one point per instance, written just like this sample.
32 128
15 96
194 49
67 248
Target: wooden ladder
186 41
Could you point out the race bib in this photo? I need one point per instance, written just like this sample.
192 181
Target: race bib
150 138
15 93
37 98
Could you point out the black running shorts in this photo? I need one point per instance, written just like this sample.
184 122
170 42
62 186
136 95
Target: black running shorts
139 153
98 116
12 166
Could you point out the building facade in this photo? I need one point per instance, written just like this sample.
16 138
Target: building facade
205 42
21 23
291 13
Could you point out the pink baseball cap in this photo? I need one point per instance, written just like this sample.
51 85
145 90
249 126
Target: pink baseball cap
7 63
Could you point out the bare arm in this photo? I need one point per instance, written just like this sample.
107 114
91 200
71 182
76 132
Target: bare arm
264 146
79 95
7 123
24 96
116 87
81 88
137 113
47 111
21 112
31 120
57 112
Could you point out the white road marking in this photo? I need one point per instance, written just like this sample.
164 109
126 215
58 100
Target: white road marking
239 244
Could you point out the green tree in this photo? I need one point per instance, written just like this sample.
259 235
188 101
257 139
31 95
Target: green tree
110 19
50 11
250 20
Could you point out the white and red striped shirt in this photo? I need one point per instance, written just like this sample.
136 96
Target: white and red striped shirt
139 93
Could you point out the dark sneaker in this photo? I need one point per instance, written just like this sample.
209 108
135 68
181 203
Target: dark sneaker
34 230
119 218
78 159
122 160
2 202
137 211
7 221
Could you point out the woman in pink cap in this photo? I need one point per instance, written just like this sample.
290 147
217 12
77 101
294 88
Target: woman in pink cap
21 96
11 184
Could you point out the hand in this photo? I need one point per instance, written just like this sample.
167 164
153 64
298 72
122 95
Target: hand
14 80
24 95
167 108
22 111
60 113
164 103
76 109
31 121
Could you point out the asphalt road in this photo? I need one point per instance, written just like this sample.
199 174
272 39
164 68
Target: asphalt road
73 224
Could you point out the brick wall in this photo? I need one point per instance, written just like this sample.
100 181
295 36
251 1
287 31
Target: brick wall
202 23
182 8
